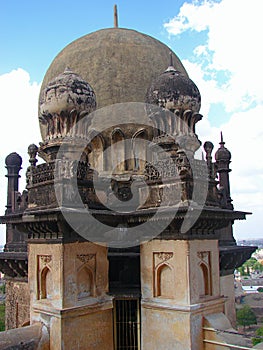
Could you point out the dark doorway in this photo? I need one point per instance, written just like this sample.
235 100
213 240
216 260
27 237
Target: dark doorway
127 324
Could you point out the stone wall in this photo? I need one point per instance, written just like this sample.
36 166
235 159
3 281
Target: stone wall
17 304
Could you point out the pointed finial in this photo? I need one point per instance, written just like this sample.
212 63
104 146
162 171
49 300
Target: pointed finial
171 66
171 59
115 17
67 70
222 140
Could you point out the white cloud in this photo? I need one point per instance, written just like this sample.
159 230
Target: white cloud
234 30
19 105
232 46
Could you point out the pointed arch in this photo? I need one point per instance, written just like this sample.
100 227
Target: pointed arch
118 151
96 156
46 283
206 287
85 282
140 152
164 281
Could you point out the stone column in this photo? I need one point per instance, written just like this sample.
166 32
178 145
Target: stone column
180 285
13 165
68 285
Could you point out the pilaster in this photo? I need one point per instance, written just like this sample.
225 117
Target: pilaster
68 286
180 285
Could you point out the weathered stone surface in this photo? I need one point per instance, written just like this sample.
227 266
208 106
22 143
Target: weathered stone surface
35 337
118 63
17 304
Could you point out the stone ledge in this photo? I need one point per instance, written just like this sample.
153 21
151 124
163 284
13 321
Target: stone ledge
168 304
95 305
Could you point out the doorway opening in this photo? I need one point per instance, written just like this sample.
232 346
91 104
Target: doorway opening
127 324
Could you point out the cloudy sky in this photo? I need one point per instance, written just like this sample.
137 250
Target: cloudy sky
218 41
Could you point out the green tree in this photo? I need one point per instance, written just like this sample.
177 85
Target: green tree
259 332
246 316
2 317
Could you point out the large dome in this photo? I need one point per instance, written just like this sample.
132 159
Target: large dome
118 63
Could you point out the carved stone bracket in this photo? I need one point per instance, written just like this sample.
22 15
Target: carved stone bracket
45 259
85 258
161 257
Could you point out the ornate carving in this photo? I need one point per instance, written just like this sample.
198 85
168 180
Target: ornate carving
45 259
85 258
204 256
164 256
161 257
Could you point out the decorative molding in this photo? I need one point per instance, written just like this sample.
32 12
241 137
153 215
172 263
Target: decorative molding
203 255
85 258
164 256
45 259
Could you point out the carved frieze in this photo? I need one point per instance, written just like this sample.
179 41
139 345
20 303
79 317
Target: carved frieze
161 257
204 257
85 258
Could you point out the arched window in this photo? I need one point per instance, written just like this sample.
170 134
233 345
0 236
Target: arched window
85 285
46 283
164 285
139 148
118 152
206 287
96 156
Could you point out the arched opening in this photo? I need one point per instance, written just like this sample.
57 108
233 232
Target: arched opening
118 152
96 155
46 283
140 152
206 287
164 282
85 285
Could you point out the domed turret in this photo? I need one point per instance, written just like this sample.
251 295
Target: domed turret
13 160
64 101
173 102
223 155
174 91
66 92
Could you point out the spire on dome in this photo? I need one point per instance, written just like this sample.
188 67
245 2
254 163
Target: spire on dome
171 66
222 153
115 16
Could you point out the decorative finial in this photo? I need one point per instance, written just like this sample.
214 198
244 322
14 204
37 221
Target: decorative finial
32 152
68 70
115 17
171 59
222 140
171 66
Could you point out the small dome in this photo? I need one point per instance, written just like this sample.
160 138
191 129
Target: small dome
67 92
14 160
174 91
222 154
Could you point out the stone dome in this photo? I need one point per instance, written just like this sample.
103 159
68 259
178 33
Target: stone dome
67 92
118 63
13 160
222 154
174 91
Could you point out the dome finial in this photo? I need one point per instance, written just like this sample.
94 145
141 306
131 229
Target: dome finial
221 137
171 59
115 16
171 66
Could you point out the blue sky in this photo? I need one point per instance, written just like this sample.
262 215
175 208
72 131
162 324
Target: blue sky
218 42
